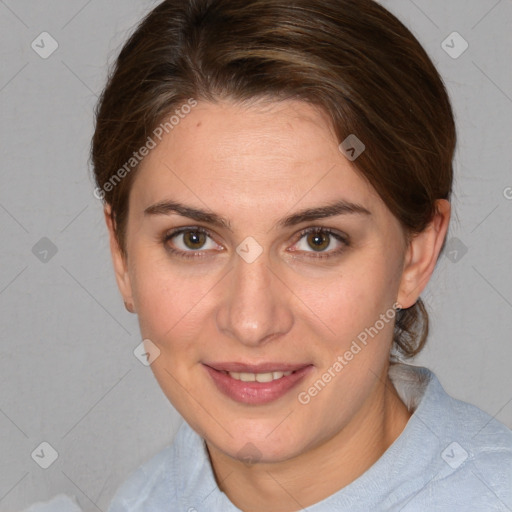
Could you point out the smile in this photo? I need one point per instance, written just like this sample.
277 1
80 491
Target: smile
258 377
256 384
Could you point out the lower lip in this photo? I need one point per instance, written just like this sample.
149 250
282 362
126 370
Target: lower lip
256 393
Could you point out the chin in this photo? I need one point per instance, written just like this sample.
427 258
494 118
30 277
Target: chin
253 442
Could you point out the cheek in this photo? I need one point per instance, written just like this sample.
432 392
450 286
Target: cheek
357 308
172 308
353 298
168 301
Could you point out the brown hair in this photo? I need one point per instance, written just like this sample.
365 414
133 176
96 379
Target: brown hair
352 58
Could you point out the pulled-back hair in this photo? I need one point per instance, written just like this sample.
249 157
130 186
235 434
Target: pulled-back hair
352 58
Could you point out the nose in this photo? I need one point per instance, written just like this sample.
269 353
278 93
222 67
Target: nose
255 307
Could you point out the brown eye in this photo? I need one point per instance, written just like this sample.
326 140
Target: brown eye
194 239
190 242
318 241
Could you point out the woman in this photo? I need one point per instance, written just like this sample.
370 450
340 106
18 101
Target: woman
276 179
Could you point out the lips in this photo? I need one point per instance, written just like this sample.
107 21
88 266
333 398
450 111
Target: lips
256 368
258 377
256 384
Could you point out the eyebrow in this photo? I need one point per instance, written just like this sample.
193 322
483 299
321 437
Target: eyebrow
340 207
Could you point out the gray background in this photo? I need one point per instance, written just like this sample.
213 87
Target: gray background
68 375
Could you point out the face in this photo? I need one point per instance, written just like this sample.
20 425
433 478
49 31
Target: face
256 257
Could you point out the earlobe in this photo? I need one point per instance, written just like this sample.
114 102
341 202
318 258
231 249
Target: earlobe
119 262
129 307
422 254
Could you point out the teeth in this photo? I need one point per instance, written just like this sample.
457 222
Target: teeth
258 377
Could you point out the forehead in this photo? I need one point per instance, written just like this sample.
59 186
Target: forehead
270 154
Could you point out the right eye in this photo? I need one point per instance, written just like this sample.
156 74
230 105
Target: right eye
189 242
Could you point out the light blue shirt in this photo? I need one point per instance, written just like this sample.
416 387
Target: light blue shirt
450 457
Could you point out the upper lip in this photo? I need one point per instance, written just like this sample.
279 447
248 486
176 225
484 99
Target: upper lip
256 368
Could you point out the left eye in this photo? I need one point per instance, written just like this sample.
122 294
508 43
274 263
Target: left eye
319 240
187 240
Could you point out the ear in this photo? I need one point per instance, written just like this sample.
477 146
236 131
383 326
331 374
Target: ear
120 263
422 254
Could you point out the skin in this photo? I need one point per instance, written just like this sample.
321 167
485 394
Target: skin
253 165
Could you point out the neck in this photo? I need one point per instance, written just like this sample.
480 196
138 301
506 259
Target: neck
314 475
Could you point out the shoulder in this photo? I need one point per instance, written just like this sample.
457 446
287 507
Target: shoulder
483 437
132 495
482 446
471 452
157 482
446 416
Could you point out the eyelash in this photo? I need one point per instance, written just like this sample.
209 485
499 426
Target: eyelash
198 229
